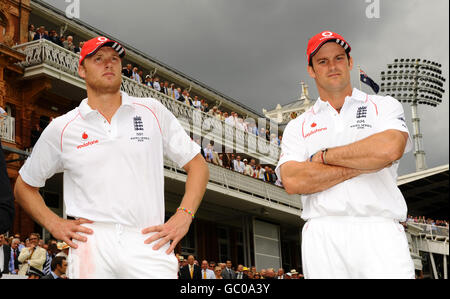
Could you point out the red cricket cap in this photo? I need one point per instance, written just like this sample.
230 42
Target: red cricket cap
92 46
320 39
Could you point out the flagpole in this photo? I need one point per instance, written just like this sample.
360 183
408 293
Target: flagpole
359 77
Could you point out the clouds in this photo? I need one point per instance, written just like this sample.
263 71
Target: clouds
254 50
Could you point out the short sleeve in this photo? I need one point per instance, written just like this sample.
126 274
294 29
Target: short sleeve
392 117
45 159
177 144
293 146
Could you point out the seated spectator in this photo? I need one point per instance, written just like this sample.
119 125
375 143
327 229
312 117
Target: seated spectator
141 77
225 116
240 124
156 85
267 175
196 103
79 47
213 111
127 71
171 91
64 249
40 34
219 116
165 88
218 272
226 161
230 120
32 256
58 268
274 139
221 160
54 38
185 98
248 170
148 81
259 172
135 76
206 108
31 32
68 44
190 99
239 166
215 160
177 94
208 150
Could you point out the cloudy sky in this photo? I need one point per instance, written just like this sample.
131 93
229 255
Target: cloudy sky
254 50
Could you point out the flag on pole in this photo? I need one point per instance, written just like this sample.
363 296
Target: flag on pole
367 80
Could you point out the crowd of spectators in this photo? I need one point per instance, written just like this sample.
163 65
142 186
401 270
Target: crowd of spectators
226 160
32 258
429 221
66 42
169 89
236 163
190 268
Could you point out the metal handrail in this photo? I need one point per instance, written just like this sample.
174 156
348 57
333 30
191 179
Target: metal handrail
256 188
431 230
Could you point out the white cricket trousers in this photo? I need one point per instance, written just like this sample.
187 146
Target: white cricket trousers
117 251
341 247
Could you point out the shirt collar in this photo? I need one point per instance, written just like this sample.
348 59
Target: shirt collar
357 95
86 110
54 275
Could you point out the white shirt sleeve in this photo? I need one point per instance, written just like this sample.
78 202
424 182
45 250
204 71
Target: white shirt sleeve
293 146
45 159
177 144
392 117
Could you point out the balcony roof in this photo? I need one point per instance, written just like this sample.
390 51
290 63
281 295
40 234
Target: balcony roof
426 192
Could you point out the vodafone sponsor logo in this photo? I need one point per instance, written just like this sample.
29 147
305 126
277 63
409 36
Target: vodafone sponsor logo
314 132
313 125
87 144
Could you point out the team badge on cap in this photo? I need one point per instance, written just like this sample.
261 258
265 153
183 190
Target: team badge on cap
92 46
320 39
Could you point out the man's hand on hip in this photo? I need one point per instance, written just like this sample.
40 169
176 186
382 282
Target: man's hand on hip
66 230
174 229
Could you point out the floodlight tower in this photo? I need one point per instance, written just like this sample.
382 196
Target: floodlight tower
418 82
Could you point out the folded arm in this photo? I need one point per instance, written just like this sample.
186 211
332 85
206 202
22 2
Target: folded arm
345 162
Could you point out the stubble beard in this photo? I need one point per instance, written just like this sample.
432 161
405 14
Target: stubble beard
100 87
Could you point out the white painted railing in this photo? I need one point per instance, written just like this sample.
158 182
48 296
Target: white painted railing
8 128
431 230
195 121
236 181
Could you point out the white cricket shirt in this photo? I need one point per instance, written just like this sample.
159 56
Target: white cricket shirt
321 127
113 172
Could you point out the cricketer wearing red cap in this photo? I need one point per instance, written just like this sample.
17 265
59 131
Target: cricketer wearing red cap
341 155
111 150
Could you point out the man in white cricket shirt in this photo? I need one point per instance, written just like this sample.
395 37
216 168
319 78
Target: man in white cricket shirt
111 149
341 156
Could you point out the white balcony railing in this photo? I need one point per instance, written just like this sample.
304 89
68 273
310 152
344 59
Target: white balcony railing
432 231
45 52
8 128
258 189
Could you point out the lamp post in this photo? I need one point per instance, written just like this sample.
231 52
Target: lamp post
417 82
